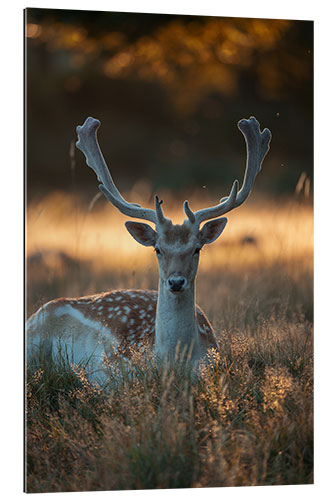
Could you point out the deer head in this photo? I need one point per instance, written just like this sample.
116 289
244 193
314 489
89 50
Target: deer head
177 246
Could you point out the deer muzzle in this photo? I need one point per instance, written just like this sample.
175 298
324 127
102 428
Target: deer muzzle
177 283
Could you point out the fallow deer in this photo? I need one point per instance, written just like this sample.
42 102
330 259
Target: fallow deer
98 327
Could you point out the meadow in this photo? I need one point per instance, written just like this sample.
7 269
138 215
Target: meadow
248 420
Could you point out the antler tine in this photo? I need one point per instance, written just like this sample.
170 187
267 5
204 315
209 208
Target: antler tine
225 205
257 145
158 209
88 144
188 212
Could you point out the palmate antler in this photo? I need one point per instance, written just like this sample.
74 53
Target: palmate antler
257 144
88 144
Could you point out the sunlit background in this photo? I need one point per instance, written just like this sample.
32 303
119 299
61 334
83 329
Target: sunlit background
169 91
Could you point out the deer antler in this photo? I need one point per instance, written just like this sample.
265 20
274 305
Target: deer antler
88 144
257 145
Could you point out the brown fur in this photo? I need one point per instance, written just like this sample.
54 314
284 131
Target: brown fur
176 232
142 329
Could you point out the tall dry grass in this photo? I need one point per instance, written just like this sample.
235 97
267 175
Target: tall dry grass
246 421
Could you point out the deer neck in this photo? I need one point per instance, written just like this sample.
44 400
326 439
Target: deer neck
176 324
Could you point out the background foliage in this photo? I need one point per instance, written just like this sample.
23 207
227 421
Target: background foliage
169 91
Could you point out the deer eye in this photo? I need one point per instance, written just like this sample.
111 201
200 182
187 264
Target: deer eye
197 251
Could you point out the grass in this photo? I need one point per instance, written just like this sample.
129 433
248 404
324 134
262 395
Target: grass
247 420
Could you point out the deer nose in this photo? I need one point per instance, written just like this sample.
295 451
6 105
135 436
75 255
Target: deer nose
176 283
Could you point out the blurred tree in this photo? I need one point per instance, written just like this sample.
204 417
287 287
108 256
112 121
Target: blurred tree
169 91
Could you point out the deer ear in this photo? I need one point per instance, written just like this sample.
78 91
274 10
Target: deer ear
212 230
142 233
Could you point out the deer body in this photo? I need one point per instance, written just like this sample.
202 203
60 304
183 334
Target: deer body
100 327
